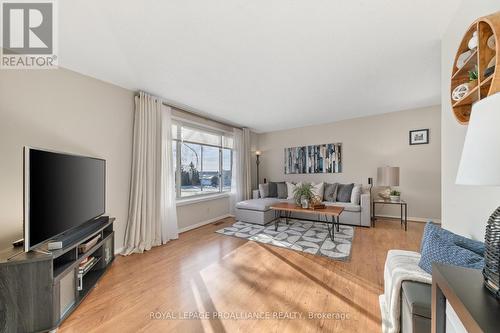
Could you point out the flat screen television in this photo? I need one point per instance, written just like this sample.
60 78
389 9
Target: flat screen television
61 193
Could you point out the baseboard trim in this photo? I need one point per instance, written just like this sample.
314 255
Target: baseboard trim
119 250
412 219
201 224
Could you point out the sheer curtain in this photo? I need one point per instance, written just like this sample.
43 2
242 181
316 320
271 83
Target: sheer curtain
241 180
152 217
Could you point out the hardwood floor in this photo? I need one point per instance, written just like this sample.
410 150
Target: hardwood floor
207 272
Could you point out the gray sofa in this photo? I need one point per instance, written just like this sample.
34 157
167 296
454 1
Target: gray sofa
258 211
416 300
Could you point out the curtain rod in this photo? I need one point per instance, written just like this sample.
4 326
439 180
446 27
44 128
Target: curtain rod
200 116
172 104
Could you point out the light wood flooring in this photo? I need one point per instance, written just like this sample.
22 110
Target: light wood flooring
204 271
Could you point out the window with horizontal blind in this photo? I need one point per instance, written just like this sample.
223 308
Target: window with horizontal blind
203 159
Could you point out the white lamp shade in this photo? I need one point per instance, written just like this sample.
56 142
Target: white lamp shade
480 162
388 176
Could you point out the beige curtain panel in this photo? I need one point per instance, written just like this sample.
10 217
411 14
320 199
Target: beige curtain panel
152 217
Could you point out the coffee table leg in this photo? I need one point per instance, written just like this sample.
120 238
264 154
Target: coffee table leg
277 216
331 229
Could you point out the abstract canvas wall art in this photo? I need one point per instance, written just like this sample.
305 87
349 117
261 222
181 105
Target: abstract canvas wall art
325 158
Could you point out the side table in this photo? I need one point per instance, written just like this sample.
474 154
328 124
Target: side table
403 205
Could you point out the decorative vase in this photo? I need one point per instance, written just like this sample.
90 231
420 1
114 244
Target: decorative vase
395 198
492 254
472 44
385 194
304 202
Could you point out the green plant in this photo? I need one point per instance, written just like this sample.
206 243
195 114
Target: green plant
473 74
303 191
396 193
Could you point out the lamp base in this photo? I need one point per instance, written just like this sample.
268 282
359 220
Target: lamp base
491 271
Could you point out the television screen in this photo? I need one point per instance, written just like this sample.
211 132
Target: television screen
62 192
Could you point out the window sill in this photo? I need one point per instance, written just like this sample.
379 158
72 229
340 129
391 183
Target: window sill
201 198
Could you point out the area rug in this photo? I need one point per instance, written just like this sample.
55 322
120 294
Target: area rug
298 235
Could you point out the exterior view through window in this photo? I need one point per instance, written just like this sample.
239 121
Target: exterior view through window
203 160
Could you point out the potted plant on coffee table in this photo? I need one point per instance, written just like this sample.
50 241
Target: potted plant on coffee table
303 194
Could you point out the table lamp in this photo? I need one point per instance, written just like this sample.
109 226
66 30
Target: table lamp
387 176
480 165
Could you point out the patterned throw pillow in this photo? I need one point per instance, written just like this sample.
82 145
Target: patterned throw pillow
282 190
330 192
344 192
440 250
467 243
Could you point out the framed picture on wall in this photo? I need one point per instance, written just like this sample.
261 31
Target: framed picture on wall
419 137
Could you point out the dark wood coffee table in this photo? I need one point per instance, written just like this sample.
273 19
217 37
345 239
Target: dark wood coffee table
332 212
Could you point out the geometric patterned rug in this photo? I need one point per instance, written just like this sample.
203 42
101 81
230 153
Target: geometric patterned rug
298 235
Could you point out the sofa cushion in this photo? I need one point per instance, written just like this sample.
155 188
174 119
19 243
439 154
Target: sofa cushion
262 204
356 194
330 192
418 297
282 190
344 192
440 250
348 206
264 190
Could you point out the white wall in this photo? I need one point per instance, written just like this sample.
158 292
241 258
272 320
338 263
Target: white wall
465 208
368 143
66 111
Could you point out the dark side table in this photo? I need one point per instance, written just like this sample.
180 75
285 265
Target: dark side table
404 210
463 288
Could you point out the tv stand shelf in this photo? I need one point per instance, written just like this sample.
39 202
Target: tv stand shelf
43 287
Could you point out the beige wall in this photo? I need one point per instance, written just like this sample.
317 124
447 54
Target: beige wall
465 208
368 143
66 111
196 214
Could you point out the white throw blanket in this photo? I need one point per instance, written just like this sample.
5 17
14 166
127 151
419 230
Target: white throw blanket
399 266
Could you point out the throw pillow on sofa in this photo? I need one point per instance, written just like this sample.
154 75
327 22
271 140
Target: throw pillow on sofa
318 189
344 192
467 243
290 188
356 194
330 192
282 190
440 250
273 189
264 190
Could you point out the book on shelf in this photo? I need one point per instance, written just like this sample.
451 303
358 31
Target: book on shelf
86 264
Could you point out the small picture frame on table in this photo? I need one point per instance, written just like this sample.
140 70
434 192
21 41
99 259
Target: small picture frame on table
419 137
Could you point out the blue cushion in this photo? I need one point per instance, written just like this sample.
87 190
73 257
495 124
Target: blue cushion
441 250
469 244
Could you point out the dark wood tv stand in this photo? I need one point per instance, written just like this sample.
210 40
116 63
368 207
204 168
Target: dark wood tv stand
39 289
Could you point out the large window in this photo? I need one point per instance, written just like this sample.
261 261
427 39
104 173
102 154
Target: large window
203 160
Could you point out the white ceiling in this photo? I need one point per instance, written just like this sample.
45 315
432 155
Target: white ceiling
265 64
